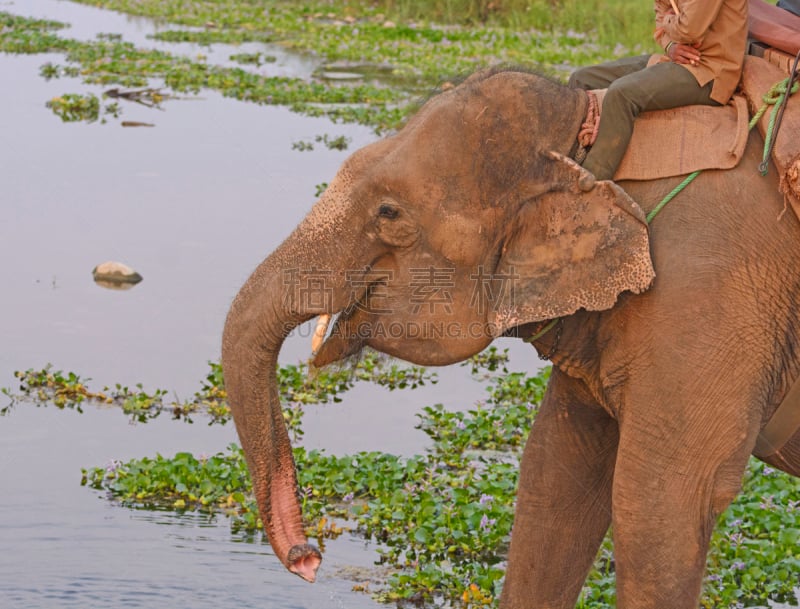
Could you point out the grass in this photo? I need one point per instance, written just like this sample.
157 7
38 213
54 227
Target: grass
610 22
613 21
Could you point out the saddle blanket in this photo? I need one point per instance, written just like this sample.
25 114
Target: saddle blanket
678 141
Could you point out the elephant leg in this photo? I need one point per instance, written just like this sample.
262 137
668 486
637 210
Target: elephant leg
678 468
564 499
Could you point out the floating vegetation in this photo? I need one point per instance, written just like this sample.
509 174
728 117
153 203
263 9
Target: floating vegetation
403 62
367 492
256 59
340 142
319 189
111 61
26 35
450 543
73 107
529 33
298 386
49 71
210 36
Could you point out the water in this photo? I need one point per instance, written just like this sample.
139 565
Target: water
65 546
193 204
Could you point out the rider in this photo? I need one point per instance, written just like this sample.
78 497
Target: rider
704 42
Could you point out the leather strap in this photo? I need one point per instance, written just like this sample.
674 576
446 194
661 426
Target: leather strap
783 424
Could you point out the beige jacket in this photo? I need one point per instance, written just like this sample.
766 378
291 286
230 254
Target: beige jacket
720 28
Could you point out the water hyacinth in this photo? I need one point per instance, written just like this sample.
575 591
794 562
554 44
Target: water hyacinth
450 539
450 504
113 466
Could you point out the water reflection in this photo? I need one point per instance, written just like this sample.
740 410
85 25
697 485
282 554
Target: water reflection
115 276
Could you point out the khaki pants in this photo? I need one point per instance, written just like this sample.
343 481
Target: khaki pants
633 88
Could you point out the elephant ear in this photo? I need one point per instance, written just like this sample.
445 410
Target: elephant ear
576 243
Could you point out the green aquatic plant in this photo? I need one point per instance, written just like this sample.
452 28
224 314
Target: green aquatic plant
183 482
403 61
73 107
456 494
27 35
319 189
63 390
137 403
451 540
210 36
312 25
109 60
299 386
253 58
755 555
340 142
488 361
122 63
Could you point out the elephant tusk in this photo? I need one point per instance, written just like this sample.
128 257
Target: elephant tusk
319 333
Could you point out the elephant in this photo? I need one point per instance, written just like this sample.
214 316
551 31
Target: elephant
672 343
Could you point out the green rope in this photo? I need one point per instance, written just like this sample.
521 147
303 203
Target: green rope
773 97
551 324
688 180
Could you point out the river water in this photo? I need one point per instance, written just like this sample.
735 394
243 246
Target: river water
193 204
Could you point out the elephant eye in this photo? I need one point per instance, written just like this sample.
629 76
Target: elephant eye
387 211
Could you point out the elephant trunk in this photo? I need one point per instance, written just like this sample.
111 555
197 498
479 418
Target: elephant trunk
251 343
277 298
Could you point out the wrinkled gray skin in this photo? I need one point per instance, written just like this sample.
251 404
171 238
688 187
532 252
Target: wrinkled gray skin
656 396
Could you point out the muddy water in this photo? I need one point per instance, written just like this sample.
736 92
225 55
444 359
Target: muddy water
193 204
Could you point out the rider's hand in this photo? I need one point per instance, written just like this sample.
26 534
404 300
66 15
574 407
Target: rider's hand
684 53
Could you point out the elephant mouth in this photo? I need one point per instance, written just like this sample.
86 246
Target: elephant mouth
338 341
341 334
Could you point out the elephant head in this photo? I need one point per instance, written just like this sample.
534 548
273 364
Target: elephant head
468 223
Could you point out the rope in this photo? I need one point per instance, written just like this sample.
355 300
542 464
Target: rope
672 195
770 98
549 326
588 132
774 97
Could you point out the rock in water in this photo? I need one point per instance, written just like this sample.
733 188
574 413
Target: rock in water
115 275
